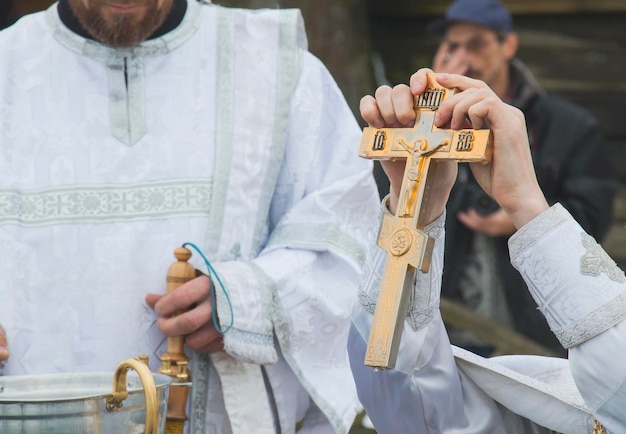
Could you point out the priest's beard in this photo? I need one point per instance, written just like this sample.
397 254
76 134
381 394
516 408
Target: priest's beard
120 29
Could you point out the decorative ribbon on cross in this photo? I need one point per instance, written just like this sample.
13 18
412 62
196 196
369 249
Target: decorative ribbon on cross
402 235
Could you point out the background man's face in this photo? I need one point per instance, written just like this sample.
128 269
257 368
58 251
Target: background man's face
486 55
121 23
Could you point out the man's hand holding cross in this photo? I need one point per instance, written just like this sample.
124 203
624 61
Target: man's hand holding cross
423 149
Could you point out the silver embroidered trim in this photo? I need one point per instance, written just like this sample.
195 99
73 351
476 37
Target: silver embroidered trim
312 236
269 294
580 326
419 318
250 347
126 99
536 229
241 343
80 204
280 321
253 347
200 368
596 261
223 158
425 299
593 324
289 64
224 124
372 270
437 227
368 303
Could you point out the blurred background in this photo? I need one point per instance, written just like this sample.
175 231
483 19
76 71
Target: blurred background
575 48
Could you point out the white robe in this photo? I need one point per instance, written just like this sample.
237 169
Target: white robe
226 133
438 388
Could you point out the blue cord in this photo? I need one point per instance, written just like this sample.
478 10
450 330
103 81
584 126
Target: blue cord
214 276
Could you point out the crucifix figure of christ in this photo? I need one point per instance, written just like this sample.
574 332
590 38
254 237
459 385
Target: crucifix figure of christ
408 248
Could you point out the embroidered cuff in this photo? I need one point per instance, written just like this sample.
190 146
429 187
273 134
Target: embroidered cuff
250 337
425 297
577 286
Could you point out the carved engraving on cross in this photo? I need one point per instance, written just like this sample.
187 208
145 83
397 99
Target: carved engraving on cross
401 235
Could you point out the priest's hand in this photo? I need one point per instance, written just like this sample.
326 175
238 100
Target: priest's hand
4 347
186 311
510 179
394 108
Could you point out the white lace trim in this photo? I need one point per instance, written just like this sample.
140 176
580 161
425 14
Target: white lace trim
537 228
577 286
593 324
250 347
597 261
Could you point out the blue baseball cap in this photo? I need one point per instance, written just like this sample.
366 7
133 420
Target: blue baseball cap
488 13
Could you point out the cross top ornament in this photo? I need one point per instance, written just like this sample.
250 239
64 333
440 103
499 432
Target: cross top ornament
402 235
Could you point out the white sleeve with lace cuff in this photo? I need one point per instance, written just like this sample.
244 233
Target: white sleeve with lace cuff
577 286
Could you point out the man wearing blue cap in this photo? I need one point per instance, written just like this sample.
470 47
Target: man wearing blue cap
570 157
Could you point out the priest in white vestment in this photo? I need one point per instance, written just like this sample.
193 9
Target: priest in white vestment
214 127
438 388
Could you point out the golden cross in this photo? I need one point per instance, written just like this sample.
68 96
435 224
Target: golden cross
598 428
401 235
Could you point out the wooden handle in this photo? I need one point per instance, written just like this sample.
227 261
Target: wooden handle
179 273
174 361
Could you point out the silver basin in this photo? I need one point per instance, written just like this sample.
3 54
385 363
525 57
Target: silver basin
81 403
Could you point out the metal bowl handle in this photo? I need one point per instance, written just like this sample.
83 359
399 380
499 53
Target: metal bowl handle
114 402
